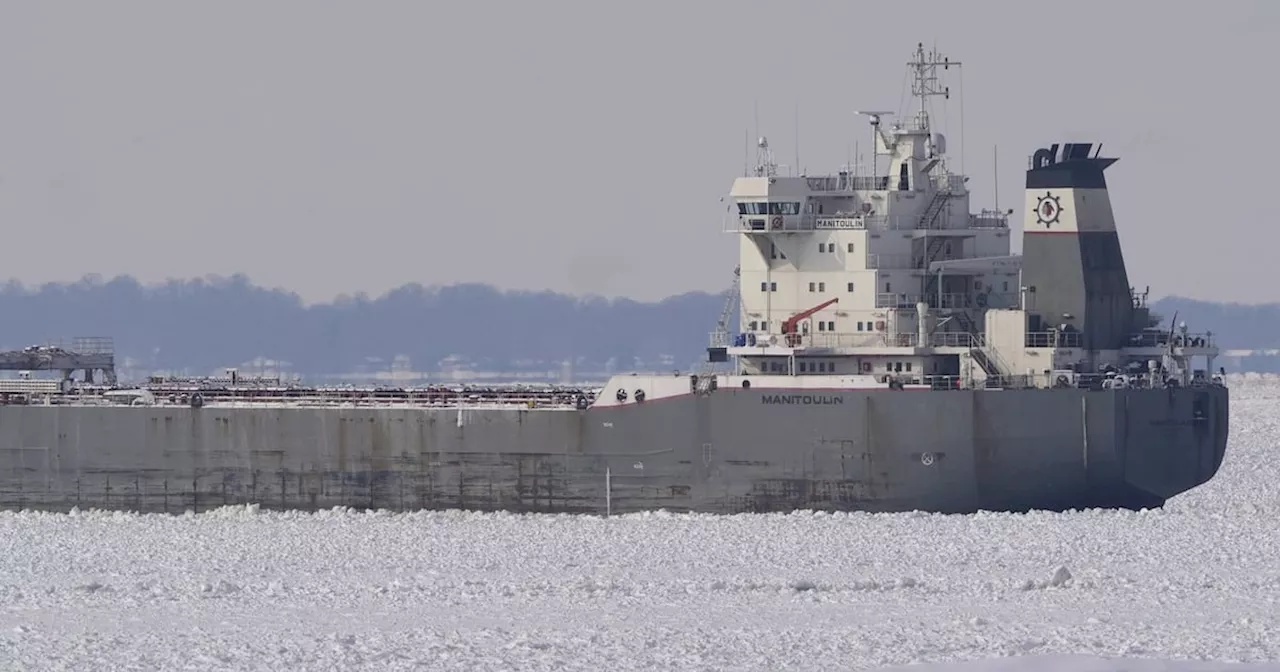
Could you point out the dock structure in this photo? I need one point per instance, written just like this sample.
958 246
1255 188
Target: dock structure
92 355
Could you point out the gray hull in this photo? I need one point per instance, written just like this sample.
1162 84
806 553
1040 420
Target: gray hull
731 451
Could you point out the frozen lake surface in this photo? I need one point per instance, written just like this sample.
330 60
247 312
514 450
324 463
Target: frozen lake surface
237 589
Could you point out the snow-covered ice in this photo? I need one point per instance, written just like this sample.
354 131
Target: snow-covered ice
239 589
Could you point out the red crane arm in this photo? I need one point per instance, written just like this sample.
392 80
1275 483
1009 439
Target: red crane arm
789 327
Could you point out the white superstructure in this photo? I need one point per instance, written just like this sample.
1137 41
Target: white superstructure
892 274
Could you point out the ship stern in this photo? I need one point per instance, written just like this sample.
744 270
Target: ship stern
1171 441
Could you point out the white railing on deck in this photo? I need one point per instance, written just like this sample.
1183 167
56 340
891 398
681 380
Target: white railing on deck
732 223
989 219
847 182
873 339
948 301
1161 339
948 182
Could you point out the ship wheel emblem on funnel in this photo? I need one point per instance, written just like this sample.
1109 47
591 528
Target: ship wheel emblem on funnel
1048 209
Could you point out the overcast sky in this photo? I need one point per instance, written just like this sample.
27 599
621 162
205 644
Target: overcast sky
333 147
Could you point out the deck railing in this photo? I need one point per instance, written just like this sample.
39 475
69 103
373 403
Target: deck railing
1152 339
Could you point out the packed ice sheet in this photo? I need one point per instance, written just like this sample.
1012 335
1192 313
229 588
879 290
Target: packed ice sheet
239 589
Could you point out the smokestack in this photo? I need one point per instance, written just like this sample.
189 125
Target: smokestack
1071 250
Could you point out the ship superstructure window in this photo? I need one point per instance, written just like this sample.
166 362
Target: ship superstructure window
851 286
850 248
768 286
775 253
822 286
831 325
783 208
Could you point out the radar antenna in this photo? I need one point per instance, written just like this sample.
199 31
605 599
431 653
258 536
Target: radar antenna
765 165
874 118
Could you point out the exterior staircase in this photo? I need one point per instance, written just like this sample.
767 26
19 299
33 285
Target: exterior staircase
933 250
986 359
929 217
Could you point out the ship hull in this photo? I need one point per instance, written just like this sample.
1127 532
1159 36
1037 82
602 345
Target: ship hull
734 450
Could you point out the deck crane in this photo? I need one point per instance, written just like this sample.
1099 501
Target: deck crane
789 327
720 338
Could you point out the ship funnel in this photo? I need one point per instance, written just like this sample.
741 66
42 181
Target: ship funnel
1071 250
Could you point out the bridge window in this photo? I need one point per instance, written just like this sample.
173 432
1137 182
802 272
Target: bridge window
785 208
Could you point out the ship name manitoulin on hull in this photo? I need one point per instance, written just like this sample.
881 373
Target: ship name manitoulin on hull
803 399
886 324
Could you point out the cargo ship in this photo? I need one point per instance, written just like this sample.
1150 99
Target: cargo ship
890 353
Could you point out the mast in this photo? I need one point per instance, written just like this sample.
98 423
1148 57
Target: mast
925 81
